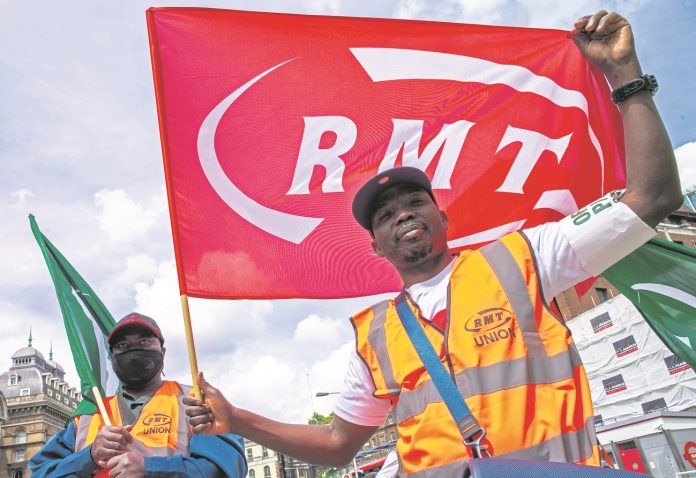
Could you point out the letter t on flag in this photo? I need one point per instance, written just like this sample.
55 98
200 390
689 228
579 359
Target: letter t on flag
87 324
658 278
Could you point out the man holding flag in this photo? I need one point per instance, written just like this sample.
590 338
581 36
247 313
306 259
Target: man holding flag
147 433
484 313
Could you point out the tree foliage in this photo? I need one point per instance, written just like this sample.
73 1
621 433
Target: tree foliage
319 419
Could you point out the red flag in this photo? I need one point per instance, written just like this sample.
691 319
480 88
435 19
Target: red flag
271 122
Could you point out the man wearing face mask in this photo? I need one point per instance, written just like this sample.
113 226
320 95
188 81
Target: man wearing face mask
150 434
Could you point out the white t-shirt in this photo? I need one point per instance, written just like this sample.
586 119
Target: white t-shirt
576 248
390 467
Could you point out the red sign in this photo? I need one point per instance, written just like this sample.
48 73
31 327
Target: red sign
690 453
271 122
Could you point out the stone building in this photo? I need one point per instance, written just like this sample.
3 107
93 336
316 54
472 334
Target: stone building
35 403
381 443
262 462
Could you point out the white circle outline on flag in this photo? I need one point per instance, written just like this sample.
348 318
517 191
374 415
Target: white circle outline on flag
673 292
286 226
381 64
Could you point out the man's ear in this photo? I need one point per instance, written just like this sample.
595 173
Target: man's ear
377 249
444 218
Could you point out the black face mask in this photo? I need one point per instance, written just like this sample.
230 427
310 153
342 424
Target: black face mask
137 367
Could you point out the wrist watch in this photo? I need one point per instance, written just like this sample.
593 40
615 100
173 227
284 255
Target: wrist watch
643 82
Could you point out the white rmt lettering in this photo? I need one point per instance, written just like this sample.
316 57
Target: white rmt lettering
312 155
407 136
533 145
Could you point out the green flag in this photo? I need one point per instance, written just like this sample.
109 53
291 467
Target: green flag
660 279
87 324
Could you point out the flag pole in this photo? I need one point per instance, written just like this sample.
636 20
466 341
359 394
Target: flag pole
100 405
193 363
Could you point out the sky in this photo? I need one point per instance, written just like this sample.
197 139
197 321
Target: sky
80 149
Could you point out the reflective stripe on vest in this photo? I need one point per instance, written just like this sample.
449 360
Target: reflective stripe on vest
503 264
161 429
454 469
378 340
476 381
499 369
580 444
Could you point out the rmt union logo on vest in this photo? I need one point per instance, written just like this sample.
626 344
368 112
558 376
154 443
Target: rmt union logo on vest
491 325
156 423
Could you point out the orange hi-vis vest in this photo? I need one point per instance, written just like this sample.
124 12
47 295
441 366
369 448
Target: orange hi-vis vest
512 358
160 430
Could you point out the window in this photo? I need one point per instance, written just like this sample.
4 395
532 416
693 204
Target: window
12 380
266 471
252 474
50 392
21 436
58 397
25 392
250 454
264 452
19 456
17 474
66 401
602 294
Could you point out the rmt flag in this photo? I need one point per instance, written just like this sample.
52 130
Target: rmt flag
271 122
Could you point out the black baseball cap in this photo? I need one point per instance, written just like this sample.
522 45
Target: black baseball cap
370 191
135 320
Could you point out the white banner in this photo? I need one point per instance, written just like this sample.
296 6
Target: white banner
631 372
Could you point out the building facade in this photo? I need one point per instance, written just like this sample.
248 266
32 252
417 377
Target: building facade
262 462
36 403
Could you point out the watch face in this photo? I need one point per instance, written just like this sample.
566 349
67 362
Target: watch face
652 83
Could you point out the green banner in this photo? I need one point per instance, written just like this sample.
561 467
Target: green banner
660 279
87 323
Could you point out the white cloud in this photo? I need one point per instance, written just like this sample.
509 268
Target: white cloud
123 219
686 161
326 7
327 376
315 330
409 8
20 196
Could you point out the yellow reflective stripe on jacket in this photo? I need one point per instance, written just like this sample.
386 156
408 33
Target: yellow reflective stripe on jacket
496 377
160 430
513 361
377 338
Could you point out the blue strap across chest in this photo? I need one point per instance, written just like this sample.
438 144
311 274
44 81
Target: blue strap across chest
441 378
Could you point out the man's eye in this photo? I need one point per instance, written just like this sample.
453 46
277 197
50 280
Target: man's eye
384 216
416 202
145 341
120 346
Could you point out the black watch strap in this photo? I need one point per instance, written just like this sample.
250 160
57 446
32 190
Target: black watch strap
644 82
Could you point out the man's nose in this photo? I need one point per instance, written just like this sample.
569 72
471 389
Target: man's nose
404 214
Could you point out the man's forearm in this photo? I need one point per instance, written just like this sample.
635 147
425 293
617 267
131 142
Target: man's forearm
652 179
